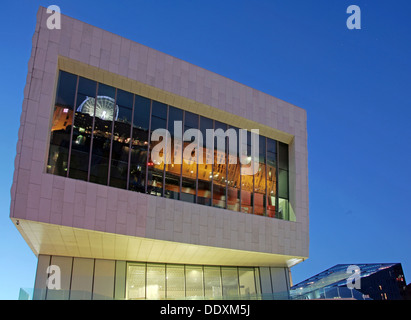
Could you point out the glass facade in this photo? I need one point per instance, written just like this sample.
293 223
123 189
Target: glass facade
155 281
103 135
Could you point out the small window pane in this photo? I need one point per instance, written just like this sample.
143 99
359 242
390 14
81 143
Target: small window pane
174 156
212 282
230 282
175 281
139 144
82 128
121 140
106 111
194 282
283 184
136 281
156 281
205 167
247 282
62 124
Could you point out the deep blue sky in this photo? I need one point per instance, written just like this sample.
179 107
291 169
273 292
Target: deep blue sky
354 84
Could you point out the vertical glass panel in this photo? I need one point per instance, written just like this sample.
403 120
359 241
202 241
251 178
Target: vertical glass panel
220 165
230 282
260 180
283 209
82 128
194 282
233 171
174 156
247 182
205 167
247 282
136 281
62 124
175 281
156 167
103 281
283 184
105 112
121 140
271 177
212 282
283 155
190 154
156 281
139 144
257 280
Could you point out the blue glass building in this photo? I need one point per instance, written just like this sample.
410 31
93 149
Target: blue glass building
376 281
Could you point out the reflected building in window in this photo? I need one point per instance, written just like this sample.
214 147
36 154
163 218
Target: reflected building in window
190 214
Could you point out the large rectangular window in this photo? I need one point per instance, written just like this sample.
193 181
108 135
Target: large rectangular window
103 135
271 177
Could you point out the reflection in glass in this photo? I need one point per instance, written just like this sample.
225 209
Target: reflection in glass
177 281
62 124
105 111
260 180
271 177
283 209
247 181
139 144
156 167
136 281
194 282
173 167
190 154
121 140
119 122
205 167
82 128
220 165
233 171
283 156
